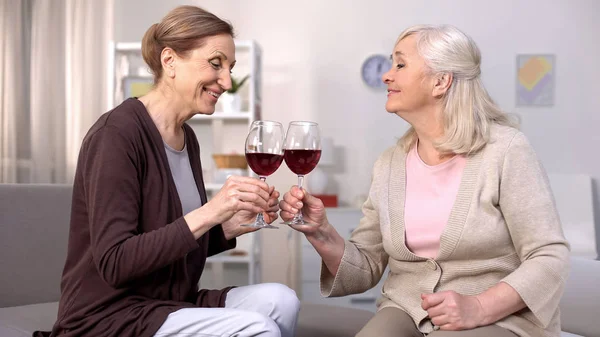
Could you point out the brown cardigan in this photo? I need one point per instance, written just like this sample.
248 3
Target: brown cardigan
132 259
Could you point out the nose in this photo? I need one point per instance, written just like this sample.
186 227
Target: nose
386 77
225 81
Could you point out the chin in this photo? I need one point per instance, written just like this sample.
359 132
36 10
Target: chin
205 110
391 108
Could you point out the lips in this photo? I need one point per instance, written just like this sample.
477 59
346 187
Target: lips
213 93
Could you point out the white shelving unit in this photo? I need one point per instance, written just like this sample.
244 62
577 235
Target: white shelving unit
219 132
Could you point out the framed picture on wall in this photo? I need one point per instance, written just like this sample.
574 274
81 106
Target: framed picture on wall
536 75
136 86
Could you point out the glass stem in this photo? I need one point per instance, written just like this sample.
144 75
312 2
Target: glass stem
260 218
300 181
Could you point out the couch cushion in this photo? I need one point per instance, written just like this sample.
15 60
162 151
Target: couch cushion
328 321
579 304
34 230
22 321
566 334
314 320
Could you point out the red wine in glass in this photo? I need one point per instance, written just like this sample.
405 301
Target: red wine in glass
302 153
264 164
301 162
264 154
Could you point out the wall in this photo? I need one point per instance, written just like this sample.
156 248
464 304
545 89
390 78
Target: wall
313 51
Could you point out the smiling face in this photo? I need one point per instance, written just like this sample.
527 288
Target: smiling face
201 76
409 86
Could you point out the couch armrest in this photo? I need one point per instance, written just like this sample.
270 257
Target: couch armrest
580 304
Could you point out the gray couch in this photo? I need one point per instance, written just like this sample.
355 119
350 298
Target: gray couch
33 241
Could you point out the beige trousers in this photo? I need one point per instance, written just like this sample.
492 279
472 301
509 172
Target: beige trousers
393 322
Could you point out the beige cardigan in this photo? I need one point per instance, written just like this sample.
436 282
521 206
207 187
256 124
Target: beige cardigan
503 227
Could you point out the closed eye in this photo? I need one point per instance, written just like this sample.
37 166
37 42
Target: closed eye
215 63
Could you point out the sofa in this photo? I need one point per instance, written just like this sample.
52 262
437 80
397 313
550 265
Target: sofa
34 222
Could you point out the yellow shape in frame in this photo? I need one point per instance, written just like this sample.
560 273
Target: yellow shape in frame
533 71
139 89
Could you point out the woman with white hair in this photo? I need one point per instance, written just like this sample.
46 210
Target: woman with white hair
460 209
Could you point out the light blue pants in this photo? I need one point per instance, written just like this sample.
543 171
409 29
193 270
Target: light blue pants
265 310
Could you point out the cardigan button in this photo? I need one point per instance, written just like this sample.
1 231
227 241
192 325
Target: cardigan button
431 264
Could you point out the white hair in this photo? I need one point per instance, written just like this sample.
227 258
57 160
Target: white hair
468 109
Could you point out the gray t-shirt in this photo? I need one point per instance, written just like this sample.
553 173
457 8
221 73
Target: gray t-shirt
181 169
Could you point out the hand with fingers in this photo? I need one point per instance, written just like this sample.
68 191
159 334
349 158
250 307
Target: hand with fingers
233 227
319 232
449 310
239 200
312 208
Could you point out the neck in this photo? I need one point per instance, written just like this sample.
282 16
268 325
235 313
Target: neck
429 129
168 115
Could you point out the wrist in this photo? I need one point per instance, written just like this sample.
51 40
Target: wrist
484 318
198 222
231 230
326 239
321 236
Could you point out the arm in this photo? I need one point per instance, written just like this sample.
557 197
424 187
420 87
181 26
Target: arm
528 208
532 220
363 259
349 267
112 195
320 233
452 311
498 302
217 241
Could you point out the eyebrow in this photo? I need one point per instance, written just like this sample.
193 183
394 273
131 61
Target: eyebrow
220 53
397 53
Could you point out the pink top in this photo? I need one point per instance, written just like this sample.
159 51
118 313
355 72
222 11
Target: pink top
430 195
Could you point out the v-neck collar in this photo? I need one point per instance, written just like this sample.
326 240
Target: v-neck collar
458 215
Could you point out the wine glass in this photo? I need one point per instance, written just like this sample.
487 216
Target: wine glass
264 154
302 151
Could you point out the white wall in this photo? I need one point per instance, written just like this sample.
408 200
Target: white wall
313 50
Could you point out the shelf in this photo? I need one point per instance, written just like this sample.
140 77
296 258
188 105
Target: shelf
239 116
228 259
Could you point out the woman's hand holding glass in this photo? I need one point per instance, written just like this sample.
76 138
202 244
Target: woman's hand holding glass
302 153
264 154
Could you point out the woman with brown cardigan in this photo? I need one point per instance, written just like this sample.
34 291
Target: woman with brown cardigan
141 227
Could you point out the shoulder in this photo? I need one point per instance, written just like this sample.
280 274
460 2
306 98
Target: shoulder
509 148
385 158
504 139
124 123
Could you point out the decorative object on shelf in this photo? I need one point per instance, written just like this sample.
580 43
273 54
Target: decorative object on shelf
329 200
231 100
136 86
238 252
373 69
230 161
535 80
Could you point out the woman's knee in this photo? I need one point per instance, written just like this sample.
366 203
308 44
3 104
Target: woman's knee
262 325
282 297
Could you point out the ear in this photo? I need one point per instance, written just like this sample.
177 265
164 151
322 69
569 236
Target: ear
442 83
168 58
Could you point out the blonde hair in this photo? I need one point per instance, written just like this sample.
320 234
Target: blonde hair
468 109
183 29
